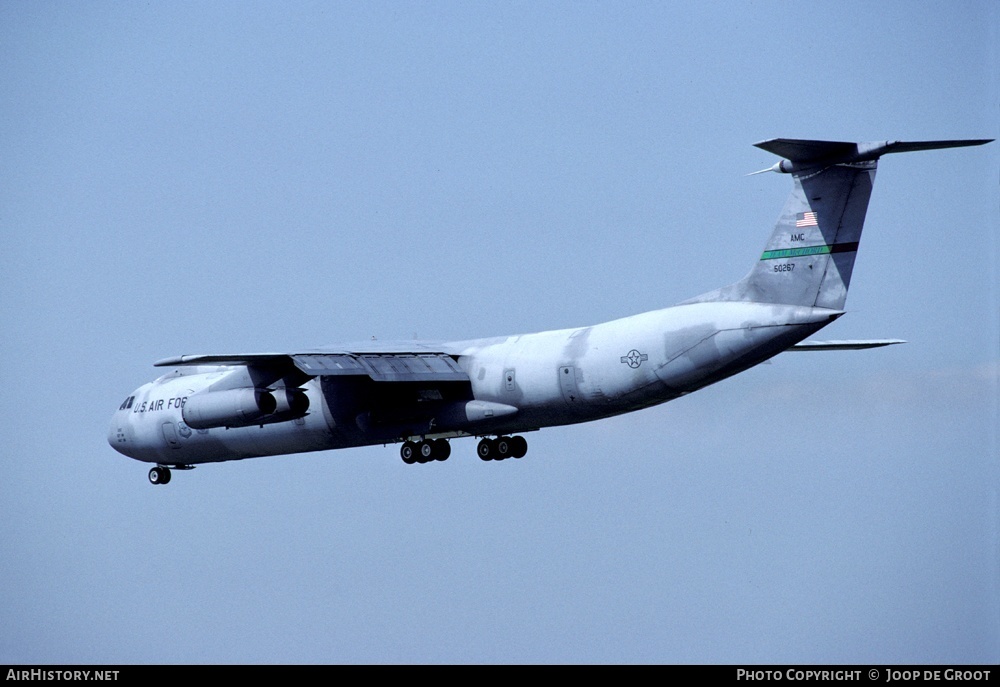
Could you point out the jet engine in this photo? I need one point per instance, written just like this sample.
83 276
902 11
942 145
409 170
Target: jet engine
230 408
290 402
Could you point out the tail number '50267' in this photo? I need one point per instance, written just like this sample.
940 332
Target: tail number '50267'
784 267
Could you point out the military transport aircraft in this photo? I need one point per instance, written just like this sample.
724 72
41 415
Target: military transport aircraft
211 408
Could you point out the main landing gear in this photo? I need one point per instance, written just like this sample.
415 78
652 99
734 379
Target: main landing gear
502 448
425 451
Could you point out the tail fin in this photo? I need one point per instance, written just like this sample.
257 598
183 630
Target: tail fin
810 256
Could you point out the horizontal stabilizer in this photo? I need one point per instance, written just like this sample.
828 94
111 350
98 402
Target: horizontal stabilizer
802 154
849 345
913 146
798 150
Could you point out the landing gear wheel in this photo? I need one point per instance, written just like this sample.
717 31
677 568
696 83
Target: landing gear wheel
442 449
408 452
159 475
425 452
486 449
518 447
503 448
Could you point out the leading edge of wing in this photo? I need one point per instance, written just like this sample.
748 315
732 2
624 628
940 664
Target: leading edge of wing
224 359
352 348
847 345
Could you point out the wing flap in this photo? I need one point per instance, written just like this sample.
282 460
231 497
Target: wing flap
329 364
381 367
385 367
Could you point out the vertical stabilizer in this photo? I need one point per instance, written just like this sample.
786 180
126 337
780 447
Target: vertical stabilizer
810 256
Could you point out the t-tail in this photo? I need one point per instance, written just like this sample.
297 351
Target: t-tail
809 258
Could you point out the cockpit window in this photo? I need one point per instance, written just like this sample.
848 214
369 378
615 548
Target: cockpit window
127 403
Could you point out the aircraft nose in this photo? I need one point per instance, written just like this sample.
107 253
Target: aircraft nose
118 437
114 436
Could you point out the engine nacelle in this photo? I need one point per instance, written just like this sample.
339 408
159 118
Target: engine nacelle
230 408
291 402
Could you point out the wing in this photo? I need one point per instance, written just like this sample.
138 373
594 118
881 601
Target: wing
388 363
384 390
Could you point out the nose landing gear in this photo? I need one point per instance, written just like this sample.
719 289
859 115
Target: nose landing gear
161 473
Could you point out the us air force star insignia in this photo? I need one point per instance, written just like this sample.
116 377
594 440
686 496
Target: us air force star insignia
635 358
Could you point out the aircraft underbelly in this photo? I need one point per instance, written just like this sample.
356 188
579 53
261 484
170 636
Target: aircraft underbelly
730 351
689 368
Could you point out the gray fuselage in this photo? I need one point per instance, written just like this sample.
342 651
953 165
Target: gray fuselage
544 379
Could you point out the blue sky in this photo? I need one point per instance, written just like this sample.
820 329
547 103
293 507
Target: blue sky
225 177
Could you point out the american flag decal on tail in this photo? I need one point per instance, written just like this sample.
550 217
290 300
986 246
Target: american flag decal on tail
805 219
